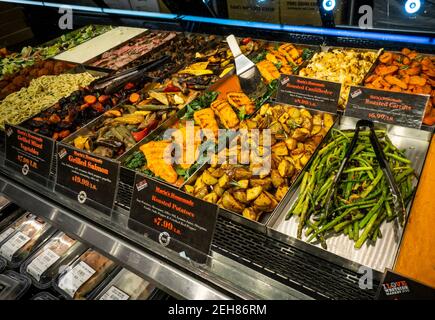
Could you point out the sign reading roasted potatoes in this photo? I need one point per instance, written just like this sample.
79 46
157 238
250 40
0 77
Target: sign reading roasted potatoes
173 218
311 93
396 108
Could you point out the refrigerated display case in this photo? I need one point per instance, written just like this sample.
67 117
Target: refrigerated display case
258 250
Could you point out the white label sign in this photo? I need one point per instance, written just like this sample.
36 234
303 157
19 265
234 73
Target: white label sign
41 263
6 233
115 294
75 278
15 243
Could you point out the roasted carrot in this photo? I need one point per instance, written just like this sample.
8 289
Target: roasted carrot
419 81
90 99
64 133
396 81
55 136
103 98
134 97
387 58
54 118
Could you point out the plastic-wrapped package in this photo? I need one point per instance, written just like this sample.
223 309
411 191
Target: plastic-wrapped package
24 240
84 275
3 264
7 229
44 296
126 286
13 285
46 263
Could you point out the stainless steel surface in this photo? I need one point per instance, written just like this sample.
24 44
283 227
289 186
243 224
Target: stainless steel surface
383 254
221 278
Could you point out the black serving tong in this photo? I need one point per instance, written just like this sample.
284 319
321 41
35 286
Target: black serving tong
399 205
114 82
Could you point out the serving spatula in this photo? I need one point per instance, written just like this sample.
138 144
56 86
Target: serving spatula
249 76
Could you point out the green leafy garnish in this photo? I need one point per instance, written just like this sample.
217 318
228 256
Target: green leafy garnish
306 53
242 114
261 56
202 102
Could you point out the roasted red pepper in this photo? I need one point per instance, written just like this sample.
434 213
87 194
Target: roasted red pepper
246 40
171 88
139 135
129 86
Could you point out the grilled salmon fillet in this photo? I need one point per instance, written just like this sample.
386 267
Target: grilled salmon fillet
268 70
240 100
158 154
225 113
206 119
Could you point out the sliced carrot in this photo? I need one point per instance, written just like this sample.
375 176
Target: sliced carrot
384 70
90 99
98 107
83 107
55 136
103 98
396 81
54 118
387 58
64 133
406 51
419 81
413 71
134 97
370 78
396 89
426 89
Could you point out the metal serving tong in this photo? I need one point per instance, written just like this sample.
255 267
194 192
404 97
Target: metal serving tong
114 82
399 205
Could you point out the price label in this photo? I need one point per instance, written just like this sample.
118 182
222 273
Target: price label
15 243
311 93
41 263
6 233
115 294
29 153
87 178
397 108
178 220
75 278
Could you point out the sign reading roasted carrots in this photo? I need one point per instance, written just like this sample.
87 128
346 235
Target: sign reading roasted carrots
29 153
173 218
396 108
311 93
86 178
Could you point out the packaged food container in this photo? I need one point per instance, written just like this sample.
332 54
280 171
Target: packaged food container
46 263
44 296
84 275
13 285
3 264
126 286
25 240
8 227
4 202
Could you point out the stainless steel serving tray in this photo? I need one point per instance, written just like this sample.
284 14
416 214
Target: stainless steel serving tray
383 254
88 128
266 216
147 54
